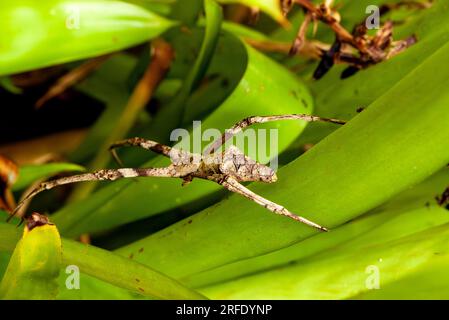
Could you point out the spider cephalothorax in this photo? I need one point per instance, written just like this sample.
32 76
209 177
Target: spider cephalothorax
234 163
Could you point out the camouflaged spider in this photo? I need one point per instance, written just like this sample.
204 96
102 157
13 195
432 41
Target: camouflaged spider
229 168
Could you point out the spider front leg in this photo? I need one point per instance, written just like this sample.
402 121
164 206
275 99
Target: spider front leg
139 142
105 175
239 126
234 186
176 156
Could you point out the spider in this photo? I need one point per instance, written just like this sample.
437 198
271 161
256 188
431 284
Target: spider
229 168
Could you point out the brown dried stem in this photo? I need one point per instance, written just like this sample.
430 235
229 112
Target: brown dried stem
71 78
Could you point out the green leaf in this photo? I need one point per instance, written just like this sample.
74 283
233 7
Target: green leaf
94 289
74 29
350 172
34 267
427 283
32 173
347 274
126 273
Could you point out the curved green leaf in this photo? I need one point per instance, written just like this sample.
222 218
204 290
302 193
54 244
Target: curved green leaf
73 29
126 273
34 267
429 282
346 274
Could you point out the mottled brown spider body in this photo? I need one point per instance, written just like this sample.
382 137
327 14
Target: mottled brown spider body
234 163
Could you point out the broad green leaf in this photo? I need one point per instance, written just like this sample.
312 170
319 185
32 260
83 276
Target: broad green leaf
32 173
34 267
94 289
266 88
126 273
429 282
350 172
73 29
350 273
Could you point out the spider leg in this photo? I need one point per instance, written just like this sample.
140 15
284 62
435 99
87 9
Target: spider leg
142 143
101 175
234 186
239 126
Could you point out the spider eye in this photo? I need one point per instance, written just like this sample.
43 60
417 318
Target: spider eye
272 178
267 175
